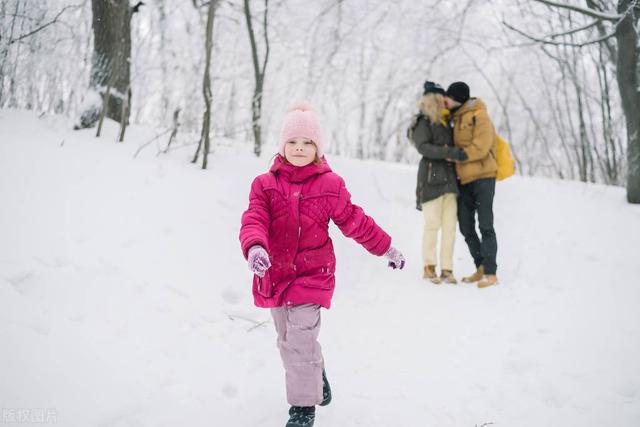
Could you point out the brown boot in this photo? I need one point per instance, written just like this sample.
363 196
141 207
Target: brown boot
489 280
475 276
430 273
447 277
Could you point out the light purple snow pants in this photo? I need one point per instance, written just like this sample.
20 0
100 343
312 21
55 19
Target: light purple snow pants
298 328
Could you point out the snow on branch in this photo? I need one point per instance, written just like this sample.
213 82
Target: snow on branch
575 30
605 16
42 27
545 40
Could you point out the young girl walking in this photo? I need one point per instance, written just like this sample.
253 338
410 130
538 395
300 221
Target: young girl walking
285 239
437 182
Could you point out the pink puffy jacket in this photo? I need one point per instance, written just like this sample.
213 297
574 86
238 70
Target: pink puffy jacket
288 215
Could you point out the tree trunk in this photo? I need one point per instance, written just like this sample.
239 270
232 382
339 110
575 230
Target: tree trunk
206 84
111 57
174 131
103 111
627 71
610 162
4 53
164 63
259 73
124 116
13 86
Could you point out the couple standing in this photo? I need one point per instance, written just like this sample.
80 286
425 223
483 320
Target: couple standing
456 180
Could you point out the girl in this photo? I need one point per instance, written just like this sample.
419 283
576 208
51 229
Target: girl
437 183
285 239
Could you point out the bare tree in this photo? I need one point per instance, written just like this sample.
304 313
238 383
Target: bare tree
624 28
5 53
13 32
259 73
628 69
206 87
610 160
164 66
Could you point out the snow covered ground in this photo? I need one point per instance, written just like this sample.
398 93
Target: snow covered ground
125 301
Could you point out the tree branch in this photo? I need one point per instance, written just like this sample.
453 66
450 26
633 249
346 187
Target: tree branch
606 16
136 8
575 30
53 21
604 37
254 48
555 43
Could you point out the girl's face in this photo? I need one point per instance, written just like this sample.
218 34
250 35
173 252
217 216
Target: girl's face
300 151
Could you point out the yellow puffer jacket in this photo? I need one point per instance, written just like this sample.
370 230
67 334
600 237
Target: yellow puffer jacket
475 134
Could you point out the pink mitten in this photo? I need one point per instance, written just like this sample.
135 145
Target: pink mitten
258 260
396 260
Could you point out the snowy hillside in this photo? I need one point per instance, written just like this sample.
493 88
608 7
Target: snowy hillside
125 301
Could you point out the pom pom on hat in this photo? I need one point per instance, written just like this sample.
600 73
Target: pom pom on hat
301 121
302 106
431 87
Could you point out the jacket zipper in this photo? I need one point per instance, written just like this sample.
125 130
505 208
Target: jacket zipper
429 173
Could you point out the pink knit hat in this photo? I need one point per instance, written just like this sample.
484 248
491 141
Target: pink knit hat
301 121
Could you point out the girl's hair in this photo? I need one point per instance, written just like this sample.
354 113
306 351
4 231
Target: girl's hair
317 160
431 106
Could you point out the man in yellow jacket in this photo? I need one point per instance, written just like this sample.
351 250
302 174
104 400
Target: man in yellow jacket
474 133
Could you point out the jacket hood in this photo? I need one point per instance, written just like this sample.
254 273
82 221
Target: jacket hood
295 173
473 104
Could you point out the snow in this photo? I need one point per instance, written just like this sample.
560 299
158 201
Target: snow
125 300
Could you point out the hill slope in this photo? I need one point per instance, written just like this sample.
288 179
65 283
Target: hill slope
125 301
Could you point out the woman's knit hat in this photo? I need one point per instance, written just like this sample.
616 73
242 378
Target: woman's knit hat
301 121
432 87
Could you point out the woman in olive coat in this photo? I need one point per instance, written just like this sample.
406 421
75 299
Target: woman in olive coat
437 182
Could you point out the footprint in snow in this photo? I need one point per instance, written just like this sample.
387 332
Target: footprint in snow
230 391
628 391
129 243
80 238
178 292
230 296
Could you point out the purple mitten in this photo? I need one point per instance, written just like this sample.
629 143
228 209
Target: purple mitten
258 260
396 260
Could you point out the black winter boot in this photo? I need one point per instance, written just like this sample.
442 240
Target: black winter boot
301 416
326 390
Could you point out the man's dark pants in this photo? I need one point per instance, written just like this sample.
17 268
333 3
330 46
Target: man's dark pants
477 196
